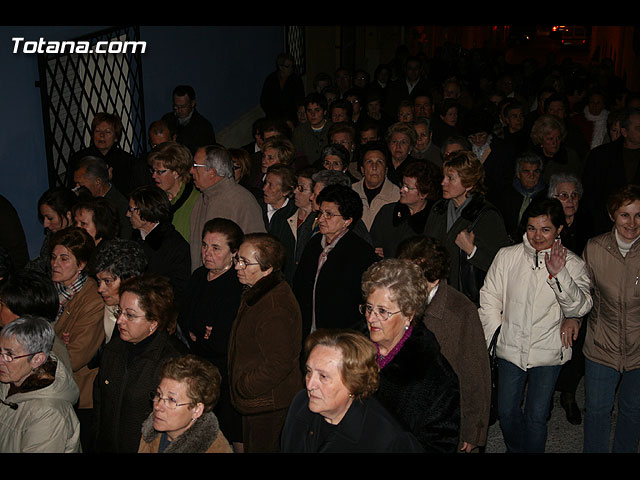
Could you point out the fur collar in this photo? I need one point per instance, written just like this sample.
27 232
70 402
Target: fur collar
41 378
197 439
262 287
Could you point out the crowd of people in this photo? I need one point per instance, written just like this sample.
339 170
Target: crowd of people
334 285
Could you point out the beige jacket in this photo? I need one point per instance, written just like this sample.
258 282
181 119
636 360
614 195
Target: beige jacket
390 193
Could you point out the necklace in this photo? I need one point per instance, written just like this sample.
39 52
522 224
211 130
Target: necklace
383 360
216 272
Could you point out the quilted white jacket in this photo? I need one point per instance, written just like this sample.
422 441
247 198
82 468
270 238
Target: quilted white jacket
519 296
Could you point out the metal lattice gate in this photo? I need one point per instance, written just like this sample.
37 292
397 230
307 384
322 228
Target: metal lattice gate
295 45
75 86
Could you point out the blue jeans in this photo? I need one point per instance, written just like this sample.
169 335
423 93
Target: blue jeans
525 431
600 384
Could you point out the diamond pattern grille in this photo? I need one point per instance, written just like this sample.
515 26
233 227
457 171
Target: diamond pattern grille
76 86
295 45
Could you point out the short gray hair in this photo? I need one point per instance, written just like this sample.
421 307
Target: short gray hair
35 334
218 157
528 157
95 168
557 178
331 177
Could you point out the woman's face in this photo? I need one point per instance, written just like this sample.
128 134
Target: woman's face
567 193
104 137
328 395
272 190
339 115
65 268
409 193
452 187
247 267
303 193
84 219
216 254
16 371
333 162
541 233
330 222
269 157
174 421
108 287
399 145
614 131
551 143
423 137
450 117
384 329
164 178
132 322
52 221
405 114
627 221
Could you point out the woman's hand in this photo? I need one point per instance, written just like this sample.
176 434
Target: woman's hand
556 259
569 331
465 241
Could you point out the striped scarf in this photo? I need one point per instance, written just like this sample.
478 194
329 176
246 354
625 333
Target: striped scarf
66 293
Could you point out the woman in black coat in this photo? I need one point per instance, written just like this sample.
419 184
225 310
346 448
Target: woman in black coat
329 293
469 227
131 361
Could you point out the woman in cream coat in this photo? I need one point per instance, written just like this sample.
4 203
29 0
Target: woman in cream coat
529 290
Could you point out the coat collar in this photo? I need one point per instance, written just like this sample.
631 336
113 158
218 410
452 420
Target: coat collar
262 287
197 439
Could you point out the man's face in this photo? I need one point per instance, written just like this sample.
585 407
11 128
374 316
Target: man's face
413 71
529 175
374 168
315 114
203 177
339 115
368 136
343 80
556 109
158 137
344 139
81 179
423 136
422 107
515 120
632 133
183 106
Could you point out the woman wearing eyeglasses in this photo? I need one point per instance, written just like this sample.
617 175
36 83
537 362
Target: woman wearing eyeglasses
417 384
170 164
37 392
400 139
131 361
182 420
327 280
265 343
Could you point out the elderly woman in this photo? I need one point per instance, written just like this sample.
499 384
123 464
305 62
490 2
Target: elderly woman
547 135
55 211
333 262
417 384
116 261
529 290
182 420
337 412
241 165
469 227
407 217
79 320
128 171
335 157
210 306
166 249
278 206
170 164
37 392
265 343
612 347
454 320
99 217
400 139
131 361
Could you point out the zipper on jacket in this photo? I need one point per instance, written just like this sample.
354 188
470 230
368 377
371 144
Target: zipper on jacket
637 288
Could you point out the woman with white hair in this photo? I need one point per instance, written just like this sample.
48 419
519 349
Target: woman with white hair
37 392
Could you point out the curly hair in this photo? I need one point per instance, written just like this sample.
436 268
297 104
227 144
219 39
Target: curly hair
429 254
285 148
404 129
121 258
173 156
155 297
359 368
405 282
202 378
428 178
110 118
153 203
348 201
103 214
544 125
468 168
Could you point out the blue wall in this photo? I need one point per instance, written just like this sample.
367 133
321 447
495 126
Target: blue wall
226 66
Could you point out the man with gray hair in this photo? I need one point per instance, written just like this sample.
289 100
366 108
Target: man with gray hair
220 196
93 174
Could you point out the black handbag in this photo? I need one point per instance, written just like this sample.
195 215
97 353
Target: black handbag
470 277
493 366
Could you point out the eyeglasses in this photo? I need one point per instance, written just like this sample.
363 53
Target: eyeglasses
381 313
130 316
404 186
7 357
564 196
242 263
132 209
169 402
327 215
195 165
157 172
301 189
